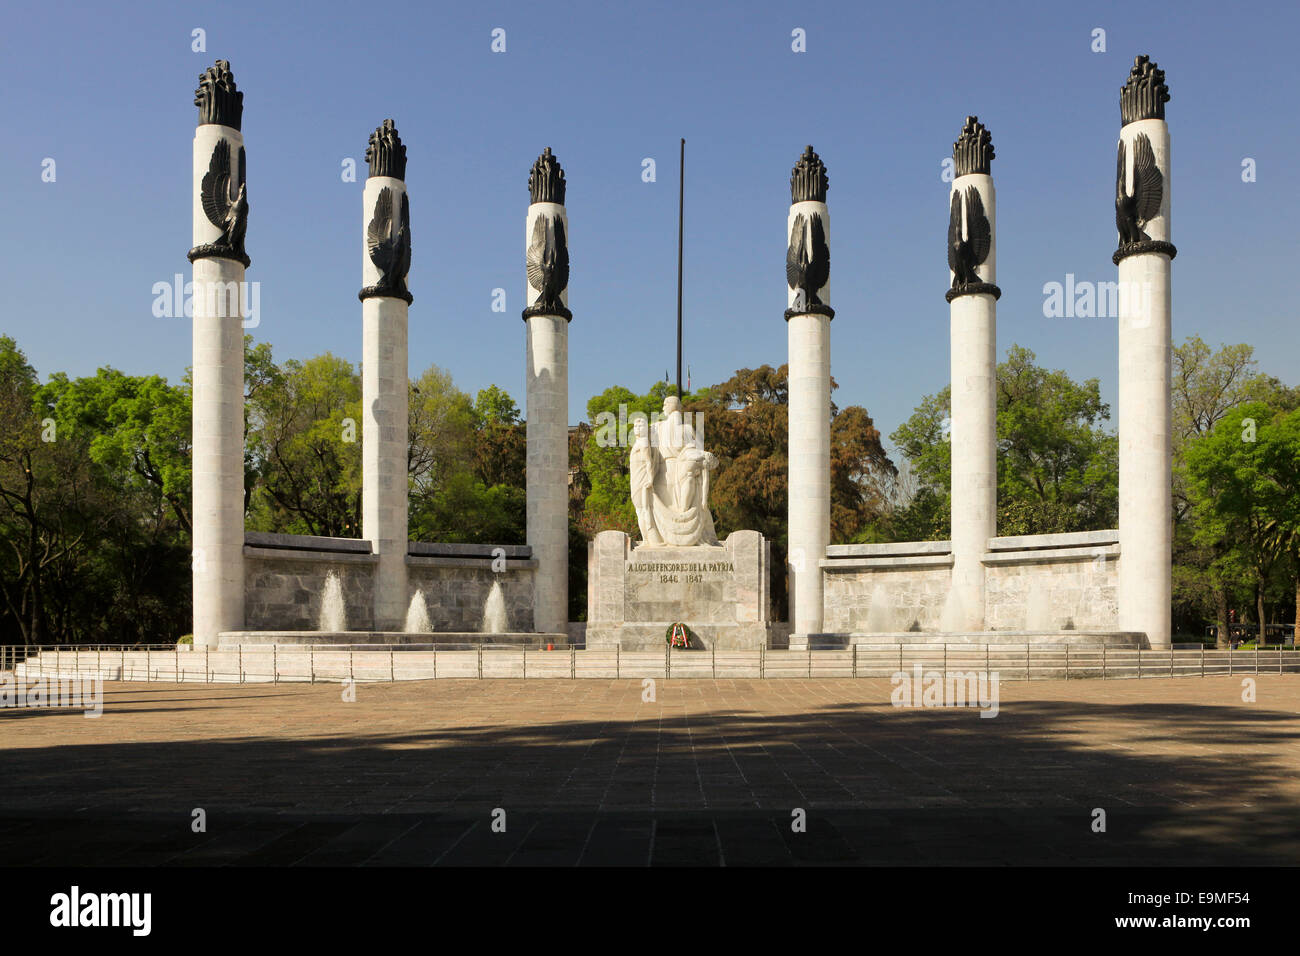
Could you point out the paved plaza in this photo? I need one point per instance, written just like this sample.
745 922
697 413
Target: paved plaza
708 772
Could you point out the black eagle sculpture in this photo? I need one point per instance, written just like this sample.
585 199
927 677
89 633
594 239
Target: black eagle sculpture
1132 212
808 258
388 240
548 265
225 198
967 252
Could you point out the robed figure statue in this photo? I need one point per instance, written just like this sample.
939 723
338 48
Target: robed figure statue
670 481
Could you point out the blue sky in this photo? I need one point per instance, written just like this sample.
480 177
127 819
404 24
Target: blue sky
881 93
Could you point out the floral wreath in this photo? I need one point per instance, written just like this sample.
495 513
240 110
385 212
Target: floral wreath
678 635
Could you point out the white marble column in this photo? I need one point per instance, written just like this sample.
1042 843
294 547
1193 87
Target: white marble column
973 332
385 405
1145 462
808 317
547 398
218 451
218 391
809 464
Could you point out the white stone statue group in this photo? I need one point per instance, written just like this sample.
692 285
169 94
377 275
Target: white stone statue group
670 481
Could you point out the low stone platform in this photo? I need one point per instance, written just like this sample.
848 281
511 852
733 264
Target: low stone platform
707 637
634 594
1130 640
389 640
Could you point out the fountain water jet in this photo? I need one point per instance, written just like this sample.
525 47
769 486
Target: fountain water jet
333 612
495 620
879 618
417 616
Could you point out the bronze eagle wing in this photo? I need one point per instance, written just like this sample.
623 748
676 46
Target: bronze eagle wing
379 234
214 189
979 233
1148 183
796 262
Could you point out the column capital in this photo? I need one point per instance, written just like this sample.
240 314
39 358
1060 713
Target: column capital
219 102
1142 165
546 256
1144 95
808 254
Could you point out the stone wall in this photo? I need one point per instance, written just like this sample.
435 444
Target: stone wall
886 588
1034 582
456 589
285 579
1053 582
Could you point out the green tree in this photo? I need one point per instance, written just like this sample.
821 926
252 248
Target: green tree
304 441
31 482
1057 465
1244 478
467 464
1205 385
138 429
94 504
464 510
133 560
493 405
746 421
501 440
441 431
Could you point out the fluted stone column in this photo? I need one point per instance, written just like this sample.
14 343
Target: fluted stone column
1143 257
385 262
972 298
220 217
547 319
808 318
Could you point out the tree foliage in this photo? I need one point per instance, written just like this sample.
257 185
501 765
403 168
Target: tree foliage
468 460
94 514
745 423
304 443
1244 477
1057 464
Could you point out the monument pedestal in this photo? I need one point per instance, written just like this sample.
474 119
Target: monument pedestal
634 594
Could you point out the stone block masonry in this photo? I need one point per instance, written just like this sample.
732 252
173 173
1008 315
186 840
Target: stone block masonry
1054 582
285 577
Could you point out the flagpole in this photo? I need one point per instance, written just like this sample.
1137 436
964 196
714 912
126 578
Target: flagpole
681 190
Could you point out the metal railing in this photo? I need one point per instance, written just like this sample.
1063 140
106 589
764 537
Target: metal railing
276 663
